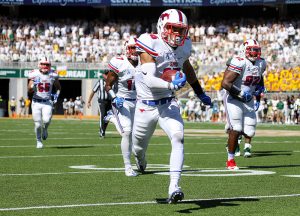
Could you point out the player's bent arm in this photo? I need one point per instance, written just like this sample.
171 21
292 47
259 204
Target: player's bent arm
148 68
227 83
57 87
192 78
111 79
30 86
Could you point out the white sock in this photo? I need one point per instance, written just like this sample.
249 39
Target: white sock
248 145
126 148
37 130
230 156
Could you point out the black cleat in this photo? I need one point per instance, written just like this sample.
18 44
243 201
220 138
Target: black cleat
175 197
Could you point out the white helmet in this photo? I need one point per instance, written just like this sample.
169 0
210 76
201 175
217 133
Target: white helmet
44 65
172 26
251 50
130 50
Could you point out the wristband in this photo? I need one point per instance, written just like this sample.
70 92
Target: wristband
235 91
112 94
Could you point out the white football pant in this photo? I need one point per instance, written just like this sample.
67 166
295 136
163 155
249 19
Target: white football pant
41 114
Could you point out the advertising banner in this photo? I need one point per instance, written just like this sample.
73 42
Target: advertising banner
9 73
238 2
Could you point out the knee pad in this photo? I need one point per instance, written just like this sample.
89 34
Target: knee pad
237 128
249 131
37 124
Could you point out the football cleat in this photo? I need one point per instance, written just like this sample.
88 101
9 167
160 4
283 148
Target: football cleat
175 196
247 152
108 116
130 172
141 165
45 134
39 145
237 151
231 165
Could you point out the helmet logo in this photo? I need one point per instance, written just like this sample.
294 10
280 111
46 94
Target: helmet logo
164 15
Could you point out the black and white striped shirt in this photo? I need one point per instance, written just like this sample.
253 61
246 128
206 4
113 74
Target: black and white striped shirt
100 88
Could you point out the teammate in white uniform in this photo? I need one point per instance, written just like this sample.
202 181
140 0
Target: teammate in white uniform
242 79
41 83
170 49
123 102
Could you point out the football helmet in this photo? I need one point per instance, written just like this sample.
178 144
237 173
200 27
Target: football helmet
44 65
172 26
130 49
251 50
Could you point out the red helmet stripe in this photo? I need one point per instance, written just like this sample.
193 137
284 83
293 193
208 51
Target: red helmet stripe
180 15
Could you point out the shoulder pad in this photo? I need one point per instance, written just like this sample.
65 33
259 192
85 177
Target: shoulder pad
145 44
115 63
236 64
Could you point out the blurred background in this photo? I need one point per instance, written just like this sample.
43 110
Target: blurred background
81 36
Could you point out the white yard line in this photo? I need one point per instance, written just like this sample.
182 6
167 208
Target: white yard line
144 203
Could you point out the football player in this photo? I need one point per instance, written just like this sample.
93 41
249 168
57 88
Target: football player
159 53
242 79
122 72
40 84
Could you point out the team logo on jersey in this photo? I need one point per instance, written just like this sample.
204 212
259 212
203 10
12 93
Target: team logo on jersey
169 56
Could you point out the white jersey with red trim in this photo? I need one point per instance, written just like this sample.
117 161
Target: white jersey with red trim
125 71
249 73
166 58
44 88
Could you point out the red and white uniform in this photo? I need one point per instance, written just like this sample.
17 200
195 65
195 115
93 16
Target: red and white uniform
241 116
44 88
166 58
126 89
157 105
41 101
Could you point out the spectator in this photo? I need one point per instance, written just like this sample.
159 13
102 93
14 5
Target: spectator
22 107
13 106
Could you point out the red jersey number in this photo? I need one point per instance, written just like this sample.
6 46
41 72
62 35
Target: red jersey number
43 87
251 80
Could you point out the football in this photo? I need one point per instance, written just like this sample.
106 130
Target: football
169 75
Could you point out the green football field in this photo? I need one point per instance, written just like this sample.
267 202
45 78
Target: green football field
78 173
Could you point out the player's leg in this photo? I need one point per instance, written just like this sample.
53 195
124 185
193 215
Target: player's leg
234 113
37 118
101 106
171 122
125 116
46 117
145 121
249 131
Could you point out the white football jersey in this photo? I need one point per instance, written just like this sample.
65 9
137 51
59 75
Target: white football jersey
77 104
125 71
166 58
44 88
249 73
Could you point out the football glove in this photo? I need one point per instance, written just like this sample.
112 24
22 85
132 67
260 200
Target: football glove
205 99
178 81
118 102
256 105
55 97
245 96
259 89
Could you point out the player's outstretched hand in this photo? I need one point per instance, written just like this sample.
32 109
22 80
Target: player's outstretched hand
118 102
205 99
179 80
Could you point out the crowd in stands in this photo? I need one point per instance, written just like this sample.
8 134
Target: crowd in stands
95 41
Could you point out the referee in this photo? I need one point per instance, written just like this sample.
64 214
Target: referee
104 102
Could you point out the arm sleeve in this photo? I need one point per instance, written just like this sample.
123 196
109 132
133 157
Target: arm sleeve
148 71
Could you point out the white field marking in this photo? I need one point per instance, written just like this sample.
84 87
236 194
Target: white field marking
146 202
296 176
99 155
149 166
240 172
